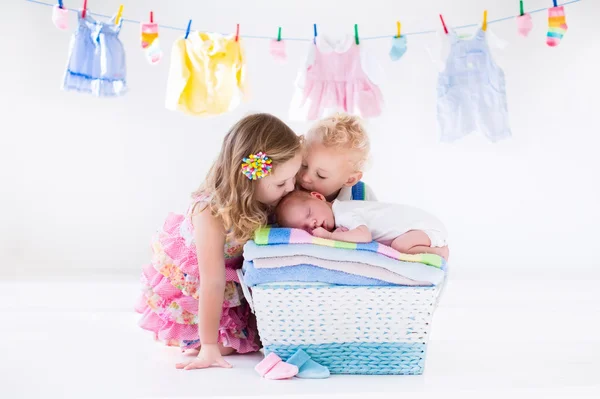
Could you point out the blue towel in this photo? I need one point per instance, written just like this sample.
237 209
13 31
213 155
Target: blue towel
411 270
306 274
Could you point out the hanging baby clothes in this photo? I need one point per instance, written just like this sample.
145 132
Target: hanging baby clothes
96 58
207 74
338 76
471 91
399 47
60 17
151 42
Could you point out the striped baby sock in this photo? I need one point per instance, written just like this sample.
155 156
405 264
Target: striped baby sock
557 25
150 42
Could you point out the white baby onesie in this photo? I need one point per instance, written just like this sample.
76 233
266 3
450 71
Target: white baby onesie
388 221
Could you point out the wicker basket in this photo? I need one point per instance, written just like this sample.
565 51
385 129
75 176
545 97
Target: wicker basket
350 330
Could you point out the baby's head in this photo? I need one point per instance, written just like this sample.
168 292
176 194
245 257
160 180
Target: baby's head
336 150
304 210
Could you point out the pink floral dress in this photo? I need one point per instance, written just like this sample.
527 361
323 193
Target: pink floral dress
169 303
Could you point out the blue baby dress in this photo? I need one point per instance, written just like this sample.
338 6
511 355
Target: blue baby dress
96 58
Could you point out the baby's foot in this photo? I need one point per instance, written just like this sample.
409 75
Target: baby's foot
444 252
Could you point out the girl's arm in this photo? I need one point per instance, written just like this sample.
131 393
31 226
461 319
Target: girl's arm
360 234
209 236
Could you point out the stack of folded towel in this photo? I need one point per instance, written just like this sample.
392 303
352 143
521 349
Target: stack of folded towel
283 255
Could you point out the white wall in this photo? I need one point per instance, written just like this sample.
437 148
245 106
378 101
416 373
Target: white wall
86 181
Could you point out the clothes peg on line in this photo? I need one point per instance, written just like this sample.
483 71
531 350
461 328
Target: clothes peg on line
60 4
237 32
315 31
119 15
521 7
151 17
484 24
398 26
279 34
356 34
187 31
443 24
83 11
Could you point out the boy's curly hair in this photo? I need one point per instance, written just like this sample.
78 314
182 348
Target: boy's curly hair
342 131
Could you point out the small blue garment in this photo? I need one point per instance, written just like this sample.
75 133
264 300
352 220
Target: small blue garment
471 91
399 47
307 368
96 58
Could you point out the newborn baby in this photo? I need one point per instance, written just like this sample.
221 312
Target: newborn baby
406 229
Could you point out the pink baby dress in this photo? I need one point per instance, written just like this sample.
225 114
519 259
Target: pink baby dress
338 76
170 285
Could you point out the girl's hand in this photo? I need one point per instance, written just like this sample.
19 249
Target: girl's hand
340 229
209 355
321 233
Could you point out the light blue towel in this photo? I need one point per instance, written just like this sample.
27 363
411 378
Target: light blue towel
410 270
305 273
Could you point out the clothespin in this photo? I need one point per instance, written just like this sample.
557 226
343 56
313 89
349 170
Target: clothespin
555 4
315 29
187 31
521 7
119 15
279 34
398 26
484 25
356 34
83 11
60 4
237 32
443 24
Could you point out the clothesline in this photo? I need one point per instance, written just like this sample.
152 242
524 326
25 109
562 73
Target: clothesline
493 21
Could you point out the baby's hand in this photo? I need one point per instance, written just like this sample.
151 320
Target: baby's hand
340 229
321 233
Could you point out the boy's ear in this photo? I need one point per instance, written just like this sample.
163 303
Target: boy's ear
353 179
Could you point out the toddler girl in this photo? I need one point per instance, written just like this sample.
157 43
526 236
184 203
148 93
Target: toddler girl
335 153
406 229
192 297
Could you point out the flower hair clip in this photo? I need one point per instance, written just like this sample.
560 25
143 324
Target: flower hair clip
257 166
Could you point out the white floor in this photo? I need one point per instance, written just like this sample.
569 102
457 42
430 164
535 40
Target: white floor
63 338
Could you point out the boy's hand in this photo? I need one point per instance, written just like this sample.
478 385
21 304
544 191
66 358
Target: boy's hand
340 229
321 233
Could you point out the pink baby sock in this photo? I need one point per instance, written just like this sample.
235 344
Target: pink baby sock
273 368
277 50
524 24
60 17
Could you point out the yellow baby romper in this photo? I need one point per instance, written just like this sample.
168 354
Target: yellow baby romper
207 74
